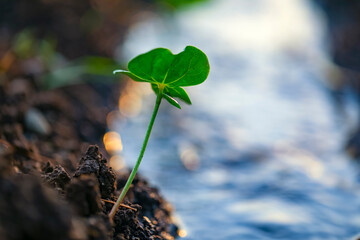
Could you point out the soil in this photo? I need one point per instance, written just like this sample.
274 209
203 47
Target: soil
54 182
50 189
30 208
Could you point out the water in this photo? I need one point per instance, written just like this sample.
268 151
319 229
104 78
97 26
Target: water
259 154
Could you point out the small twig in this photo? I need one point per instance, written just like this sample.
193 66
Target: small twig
123 205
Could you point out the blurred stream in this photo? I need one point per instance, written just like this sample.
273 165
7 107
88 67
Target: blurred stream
259 154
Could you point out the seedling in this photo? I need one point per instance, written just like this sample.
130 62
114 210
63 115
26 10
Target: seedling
167 73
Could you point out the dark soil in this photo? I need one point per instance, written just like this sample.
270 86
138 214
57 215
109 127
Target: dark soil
78 208
50 189
29 210
153 212
54 184
94 164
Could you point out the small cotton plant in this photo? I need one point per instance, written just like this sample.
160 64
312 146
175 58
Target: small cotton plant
168 74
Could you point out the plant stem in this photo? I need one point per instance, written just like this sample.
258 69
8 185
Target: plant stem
133 172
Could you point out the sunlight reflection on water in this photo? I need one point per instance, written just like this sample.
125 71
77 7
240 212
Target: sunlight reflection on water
259 154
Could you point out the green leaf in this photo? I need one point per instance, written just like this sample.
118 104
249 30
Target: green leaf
179 93
173 92
152 65
172 101
132 76
168 73
190 67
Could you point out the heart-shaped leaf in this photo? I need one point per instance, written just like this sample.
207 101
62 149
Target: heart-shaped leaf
168 73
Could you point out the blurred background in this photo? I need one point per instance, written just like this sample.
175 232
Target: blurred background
269 148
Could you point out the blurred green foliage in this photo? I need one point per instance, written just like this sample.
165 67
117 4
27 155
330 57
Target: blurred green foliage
56 71
178 4
26 46
86 69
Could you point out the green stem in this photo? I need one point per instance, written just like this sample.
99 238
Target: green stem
133 172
